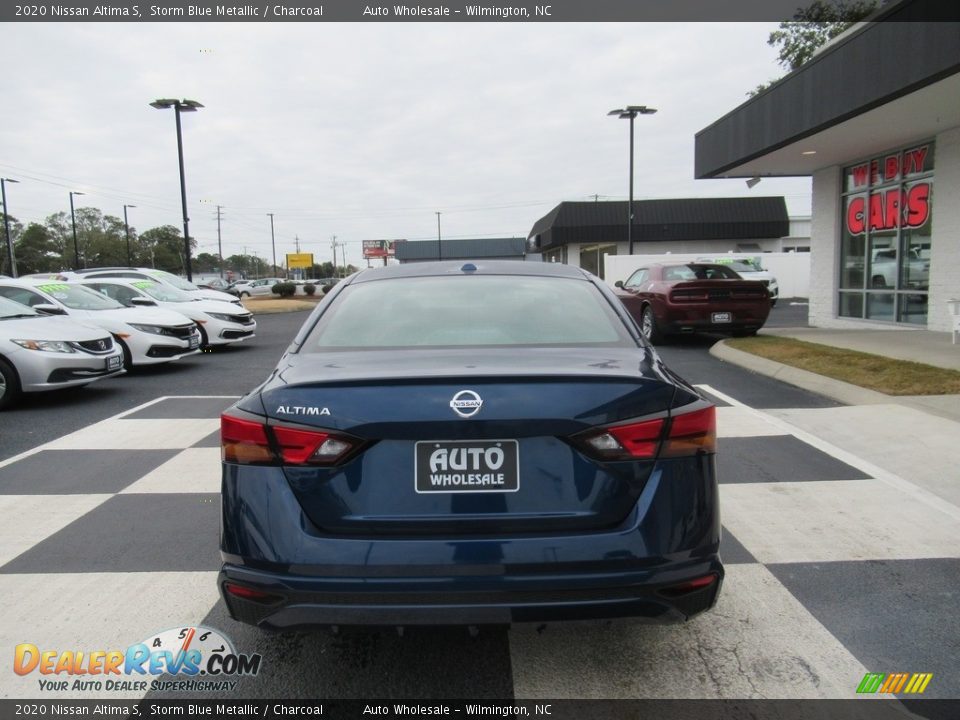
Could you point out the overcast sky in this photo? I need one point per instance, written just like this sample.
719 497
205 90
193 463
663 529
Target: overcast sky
364 131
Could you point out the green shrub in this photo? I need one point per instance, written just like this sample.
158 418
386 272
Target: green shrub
284 289
309 288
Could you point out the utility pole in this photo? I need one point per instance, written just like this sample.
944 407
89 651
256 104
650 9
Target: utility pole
333 245
219 243
126 227
273 242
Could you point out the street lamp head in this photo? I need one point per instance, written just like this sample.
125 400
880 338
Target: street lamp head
11 180
182 105
129 206
631 111
76 192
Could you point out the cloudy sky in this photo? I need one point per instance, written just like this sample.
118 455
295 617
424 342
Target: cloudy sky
364 131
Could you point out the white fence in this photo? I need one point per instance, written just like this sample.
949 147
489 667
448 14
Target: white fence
792 270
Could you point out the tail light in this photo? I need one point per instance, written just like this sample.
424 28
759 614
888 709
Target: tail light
690 586
685 433
252 442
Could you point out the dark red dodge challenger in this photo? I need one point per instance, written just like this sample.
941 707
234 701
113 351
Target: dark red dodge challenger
688 297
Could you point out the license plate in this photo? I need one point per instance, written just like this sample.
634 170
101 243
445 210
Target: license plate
194 342
113 363
722 317
467 466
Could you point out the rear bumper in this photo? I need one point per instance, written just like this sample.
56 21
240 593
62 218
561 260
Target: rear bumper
679 319
297 602
670 537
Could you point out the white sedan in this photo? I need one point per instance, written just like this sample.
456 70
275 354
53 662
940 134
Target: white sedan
219 322
146 335
39 352
256 288
158 276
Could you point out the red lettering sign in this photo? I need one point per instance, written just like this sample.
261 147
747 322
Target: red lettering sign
855 224
918 205
859 176
891 167
889 209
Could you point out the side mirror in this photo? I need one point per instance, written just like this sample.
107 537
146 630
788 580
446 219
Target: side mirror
619 284
142 302
49 309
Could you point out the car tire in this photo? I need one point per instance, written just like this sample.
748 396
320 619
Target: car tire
648 326
204 340
244 294
9 385
127 356
773 302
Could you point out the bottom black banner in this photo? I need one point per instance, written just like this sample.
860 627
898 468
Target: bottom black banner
860 709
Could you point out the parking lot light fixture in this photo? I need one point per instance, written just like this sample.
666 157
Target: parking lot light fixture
629 113
180 106
73 224
6 224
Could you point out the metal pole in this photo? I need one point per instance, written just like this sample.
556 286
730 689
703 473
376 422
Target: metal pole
6 226
76 247
183 197
273 243
630 212
439 240
126 227
219 243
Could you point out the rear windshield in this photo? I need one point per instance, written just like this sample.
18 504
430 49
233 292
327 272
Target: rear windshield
490 310
694 271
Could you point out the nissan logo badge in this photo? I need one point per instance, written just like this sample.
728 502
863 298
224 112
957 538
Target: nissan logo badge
466 403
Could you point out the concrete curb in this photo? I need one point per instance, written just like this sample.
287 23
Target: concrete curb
836 389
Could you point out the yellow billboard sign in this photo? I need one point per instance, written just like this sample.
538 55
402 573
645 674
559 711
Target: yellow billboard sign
299 260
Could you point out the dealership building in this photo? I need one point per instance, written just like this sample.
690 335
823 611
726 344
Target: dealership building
874 119
585 233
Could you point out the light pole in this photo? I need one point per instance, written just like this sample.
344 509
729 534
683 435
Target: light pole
180 106
439 241
73 223
630 112
273 243
126 227
6 224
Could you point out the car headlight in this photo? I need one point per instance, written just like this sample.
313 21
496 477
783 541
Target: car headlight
152 329
225 317
59 346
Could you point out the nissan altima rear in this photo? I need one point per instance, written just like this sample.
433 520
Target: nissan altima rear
479 443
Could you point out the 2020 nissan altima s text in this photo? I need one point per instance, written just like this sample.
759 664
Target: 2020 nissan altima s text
478 443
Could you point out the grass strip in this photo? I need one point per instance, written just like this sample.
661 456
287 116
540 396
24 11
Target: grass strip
886 375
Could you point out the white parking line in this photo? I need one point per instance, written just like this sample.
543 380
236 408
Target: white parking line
915 491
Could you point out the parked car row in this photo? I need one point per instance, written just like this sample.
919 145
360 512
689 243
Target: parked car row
68 329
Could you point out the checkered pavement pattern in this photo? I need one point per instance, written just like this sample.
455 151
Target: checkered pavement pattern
835 568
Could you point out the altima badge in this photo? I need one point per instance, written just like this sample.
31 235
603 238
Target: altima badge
466 403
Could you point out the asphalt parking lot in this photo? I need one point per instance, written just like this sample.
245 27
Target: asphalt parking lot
833 571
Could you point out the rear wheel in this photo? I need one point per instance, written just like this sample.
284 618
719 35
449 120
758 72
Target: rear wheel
648 326
9 385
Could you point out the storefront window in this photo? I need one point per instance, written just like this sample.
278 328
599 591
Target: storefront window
886 238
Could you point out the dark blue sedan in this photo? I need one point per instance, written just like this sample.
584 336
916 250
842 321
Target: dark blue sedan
466 444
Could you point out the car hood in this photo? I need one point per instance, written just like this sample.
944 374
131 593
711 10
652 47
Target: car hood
49 328
118 319
206 306
214 295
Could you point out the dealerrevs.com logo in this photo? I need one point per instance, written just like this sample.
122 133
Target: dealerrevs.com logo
191 659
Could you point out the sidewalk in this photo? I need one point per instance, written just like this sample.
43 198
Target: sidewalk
915 345
914 437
